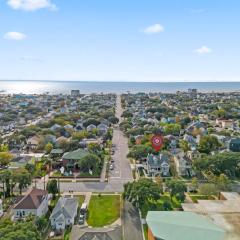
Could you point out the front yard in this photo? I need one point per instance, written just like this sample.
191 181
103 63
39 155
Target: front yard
103 210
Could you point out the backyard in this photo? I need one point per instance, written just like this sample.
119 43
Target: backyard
103 210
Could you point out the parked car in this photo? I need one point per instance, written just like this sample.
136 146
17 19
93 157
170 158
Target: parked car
83 213
111 167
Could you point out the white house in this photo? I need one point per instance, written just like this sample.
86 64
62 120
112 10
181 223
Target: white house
35 202
183 164
64 213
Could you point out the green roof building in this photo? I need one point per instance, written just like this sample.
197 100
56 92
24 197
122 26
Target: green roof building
181 226
70 159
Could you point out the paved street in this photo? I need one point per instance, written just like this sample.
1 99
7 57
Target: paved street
131 223
122 170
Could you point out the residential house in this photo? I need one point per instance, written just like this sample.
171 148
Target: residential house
223 123
71 159
158 164
102 128
234 145
183 164
33 142
34 202
68 126
55 127
64 213
193 154
91 127
104 233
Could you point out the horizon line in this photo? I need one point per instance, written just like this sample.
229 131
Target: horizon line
121 81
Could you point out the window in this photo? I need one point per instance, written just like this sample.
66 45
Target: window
23 213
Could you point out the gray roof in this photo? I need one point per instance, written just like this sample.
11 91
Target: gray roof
157 160
66 207
106 233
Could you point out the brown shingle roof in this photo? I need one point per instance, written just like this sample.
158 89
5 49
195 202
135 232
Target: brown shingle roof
31 200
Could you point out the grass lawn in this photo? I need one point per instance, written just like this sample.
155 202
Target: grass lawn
175 202
158 205
145 229
67 234
103 210
81 200
196 197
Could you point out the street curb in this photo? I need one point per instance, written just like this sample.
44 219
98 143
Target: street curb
141 224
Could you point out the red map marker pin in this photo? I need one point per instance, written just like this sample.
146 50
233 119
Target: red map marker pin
157 142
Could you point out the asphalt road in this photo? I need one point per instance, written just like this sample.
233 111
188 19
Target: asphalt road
122 169
131 223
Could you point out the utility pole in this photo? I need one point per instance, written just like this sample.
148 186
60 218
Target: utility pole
58 187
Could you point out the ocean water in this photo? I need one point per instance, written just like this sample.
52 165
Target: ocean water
65 87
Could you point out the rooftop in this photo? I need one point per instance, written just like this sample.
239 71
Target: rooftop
182 226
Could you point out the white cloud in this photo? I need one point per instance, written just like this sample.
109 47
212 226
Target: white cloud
156 28
14 36
31 5
203 50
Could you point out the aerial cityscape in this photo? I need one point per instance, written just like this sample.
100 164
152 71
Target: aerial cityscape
119 120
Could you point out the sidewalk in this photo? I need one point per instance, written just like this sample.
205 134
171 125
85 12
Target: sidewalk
103 173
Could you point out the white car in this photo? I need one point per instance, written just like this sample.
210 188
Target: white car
111 167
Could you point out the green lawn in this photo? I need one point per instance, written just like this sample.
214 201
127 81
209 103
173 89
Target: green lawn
103 210
145 229
81 200
175 202
158 205
200 197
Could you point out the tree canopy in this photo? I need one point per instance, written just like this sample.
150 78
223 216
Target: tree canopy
208 143
177 188
227 163
138 193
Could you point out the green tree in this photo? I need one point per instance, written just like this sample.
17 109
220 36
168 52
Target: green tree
227 163
208 143
194 184
21 177
177 188
3 148
208 189
48 147
94 147
167 206
223 183
159 182
113 120
5 177
140 192
184 145
41 223
172 128
90 162
5 158
52 187
23 230
139 151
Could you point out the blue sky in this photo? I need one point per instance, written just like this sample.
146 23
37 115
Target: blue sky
124 40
